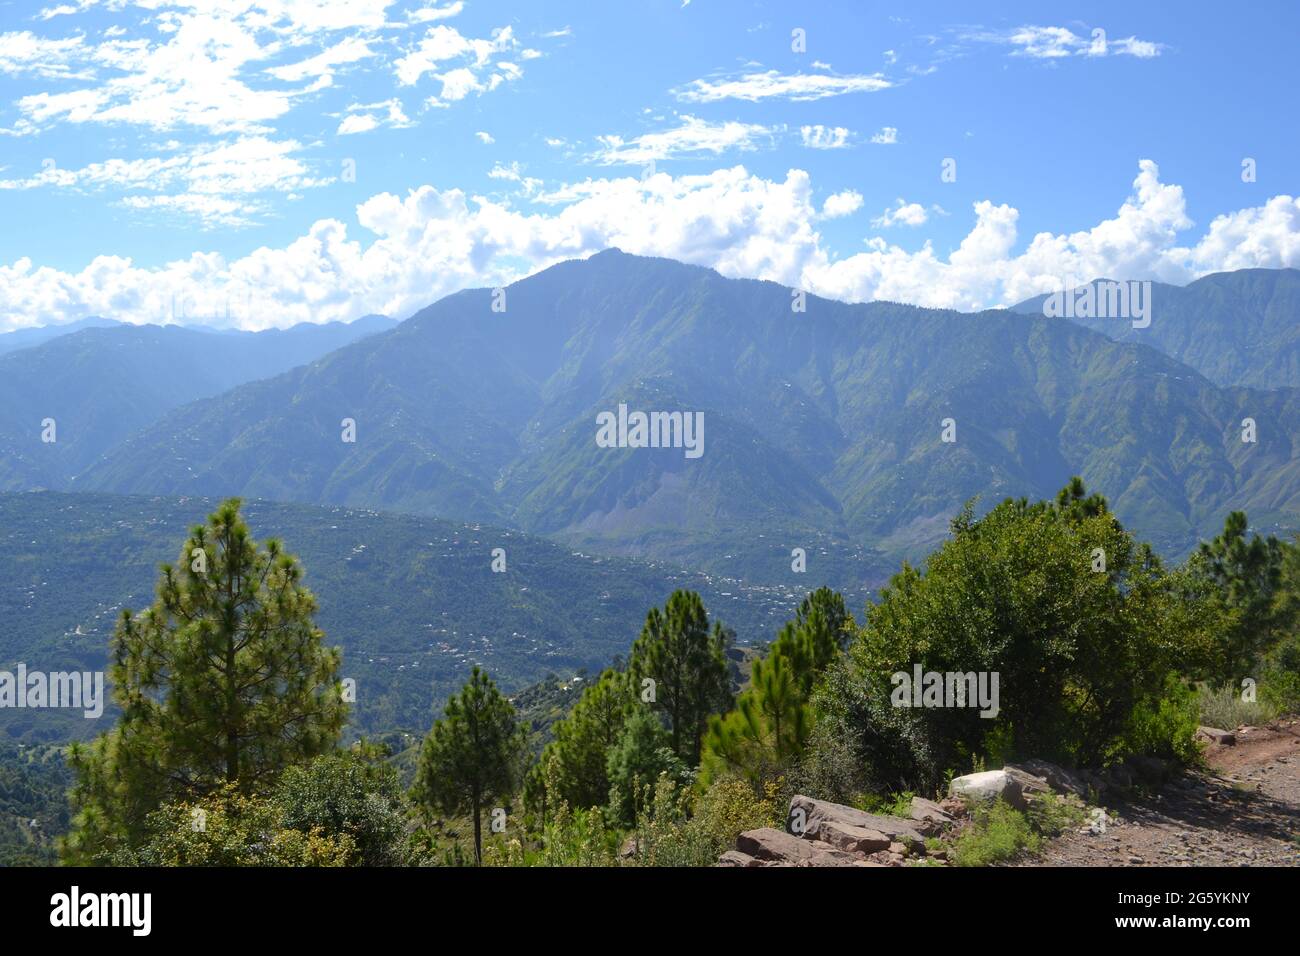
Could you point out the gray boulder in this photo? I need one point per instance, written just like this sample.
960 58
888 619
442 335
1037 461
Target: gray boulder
987 787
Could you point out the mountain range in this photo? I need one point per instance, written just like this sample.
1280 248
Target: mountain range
824 428
1235 328
104 380
29 337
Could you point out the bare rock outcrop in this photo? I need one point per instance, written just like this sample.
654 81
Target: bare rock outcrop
831 834
807 814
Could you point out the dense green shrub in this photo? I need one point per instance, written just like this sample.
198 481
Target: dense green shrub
1165 726
1079 621
347 795
229 828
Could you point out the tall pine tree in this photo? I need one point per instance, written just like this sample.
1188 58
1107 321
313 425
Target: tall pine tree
687 663
472 755
225 680
1247 576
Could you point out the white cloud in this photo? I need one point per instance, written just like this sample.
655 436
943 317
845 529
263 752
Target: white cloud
824 137
1144 49
211 211
528 186
887 136
459 83
435 12
1051 43
433 242
205 64
25 52
840 204
346 51
193 79
208 69
485 138
774 85
358 123
218 180
1262 237
444 44
692 137
364 117
902 213
63 10
513 171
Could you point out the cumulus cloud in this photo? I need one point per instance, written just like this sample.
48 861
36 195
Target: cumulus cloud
403 252
887 136
902 213
842 204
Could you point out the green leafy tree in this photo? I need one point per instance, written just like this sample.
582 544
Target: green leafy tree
687 663
354 795
472 755
1079 621
222 683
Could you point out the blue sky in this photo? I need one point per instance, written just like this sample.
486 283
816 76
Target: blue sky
321 159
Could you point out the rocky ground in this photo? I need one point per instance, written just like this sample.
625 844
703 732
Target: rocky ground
1241 809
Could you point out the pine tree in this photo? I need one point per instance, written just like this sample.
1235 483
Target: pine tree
821 629
635 762
773 717
768 728
583 739
687 663
222 683
1247 575
472 755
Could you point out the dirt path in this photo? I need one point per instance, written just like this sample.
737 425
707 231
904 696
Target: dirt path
1242 810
